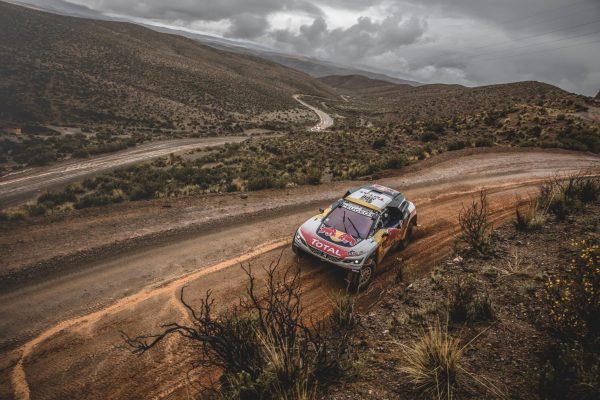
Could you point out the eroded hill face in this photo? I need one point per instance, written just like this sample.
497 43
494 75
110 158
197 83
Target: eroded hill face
64 70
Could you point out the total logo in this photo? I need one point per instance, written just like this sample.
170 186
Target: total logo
338 236
326 248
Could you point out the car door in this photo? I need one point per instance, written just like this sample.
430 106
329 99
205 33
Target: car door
389 234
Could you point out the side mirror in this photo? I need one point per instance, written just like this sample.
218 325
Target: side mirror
321 210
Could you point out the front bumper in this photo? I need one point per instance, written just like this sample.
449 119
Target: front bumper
348 263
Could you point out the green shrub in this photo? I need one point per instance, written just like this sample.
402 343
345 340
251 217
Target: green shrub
571 364
468 304
343 315
457 145
484 142
81 153
533 219
261 182
568 195
52 199
35 210
580 139
95 200
429 136
569 372
574 297
561 207
379 143
314 176
476 229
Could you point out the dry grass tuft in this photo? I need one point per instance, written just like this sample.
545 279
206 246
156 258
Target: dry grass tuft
435 366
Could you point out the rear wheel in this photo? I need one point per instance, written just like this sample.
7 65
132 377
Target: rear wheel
360 280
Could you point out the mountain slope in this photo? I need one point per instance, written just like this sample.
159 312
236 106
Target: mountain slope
66 70
320 68
357 82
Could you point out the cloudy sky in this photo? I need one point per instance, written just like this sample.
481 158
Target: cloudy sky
471 42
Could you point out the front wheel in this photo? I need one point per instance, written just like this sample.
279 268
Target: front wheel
297 251
360 280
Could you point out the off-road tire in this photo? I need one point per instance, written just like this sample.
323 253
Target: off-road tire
297 251
409 234
360 281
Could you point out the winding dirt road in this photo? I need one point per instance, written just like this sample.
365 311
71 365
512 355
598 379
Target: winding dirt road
325 120
19 187
60 336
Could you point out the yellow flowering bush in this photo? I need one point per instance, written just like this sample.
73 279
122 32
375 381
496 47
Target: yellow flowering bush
574 297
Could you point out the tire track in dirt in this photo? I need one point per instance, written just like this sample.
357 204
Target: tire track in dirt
439 240
439 210
19 378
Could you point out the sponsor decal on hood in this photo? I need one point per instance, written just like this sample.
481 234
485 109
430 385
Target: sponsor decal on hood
325 246
338 237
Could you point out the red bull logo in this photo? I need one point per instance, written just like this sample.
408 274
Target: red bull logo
338 236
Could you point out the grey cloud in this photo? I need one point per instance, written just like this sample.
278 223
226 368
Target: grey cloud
247 26
470 42
517 16
363 39
189 10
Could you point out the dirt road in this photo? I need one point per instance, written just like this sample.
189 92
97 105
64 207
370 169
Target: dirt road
325 122
60 337
19 187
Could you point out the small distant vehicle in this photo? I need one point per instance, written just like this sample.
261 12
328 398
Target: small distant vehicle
358 231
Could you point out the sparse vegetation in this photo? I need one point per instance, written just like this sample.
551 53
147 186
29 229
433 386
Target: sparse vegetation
572 361
543 342
533 219
466 303
574 296
265 348
567 195
434 365
476 229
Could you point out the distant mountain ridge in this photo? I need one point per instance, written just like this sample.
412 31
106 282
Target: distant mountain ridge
312 66
358 82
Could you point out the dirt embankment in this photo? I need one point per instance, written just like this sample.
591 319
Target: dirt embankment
59 335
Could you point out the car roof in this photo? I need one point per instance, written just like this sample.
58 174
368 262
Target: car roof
375 197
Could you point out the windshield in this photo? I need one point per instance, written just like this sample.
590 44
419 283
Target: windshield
351 219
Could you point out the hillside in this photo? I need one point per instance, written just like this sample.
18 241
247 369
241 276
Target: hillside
450 101
356 82
65 70
319 68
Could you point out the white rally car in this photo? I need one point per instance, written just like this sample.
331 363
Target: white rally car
357 232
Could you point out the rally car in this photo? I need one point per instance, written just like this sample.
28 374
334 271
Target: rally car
356 232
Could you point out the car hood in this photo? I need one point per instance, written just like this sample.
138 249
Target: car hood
332 241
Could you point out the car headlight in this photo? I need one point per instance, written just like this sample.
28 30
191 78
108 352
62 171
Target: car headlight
299 238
